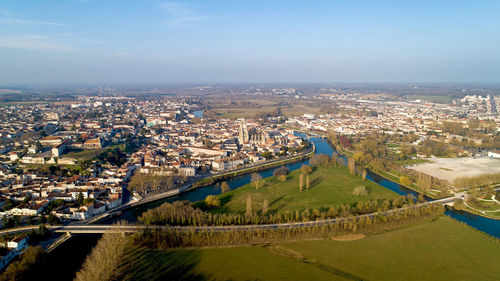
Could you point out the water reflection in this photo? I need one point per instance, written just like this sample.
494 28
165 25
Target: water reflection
489 226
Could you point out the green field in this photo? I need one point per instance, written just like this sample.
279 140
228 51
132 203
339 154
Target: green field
238 263
260 106
441 250
235 113
487 208
83 154
330 186
90 154
437 99
433 250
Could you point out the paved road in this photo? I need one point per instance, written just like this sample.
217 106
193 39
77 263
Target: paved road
136 228
176 191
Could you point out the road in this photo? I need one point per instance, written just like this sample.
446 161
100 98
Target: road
136 228
176 191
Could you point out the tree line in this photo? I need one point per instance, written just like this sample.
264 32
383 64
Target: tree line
28 267
146 183
216 179
160 238
484 180
370 152
186 213
105 257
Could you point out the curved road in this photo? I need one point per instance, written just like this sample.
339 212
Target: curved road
136 228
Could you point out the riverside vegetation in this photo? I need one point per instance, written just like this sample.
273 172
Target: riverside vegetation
359 211
332 193
375 152
382 255
206 213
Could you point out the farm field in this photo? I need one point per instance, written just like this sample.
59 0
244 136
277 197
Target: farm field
252 108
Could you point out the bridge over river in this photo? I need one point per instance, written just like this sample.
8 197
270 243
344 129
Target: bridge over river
137 228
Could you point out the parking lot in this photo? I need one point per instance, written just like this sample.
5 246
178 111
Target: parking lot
452 168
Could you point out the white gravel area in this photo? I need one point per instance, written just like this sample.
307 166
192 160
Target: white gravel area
452 168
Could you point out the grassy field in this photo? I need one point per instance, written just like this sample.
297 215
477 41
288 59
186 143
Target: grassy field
437 99
234 113
238 263
226 175
266 106
484 207
330 186
433 250
89 154
84 154
440 250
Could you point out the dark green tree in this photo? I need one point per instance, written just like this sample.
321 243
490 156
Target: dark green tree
79 199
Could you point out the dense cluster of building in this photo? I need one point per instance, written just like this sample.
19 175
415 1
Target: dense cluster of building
363 115
73 160
82 154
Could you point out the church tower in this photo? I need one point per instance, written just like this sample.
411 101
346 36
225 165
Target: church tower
243 135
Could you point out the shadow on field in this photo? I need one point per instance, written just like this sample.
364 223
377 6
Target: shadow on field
276 200
317 181
225 199
273 208
149 264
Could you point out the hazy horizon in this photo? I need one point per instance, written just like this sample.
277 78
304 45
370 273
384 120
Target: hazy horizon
199 42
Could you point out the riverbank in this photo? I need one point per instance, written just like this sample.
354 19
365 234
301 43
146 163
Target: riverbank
300 130
472 228
385 175
469 209
393 255
481 224
491 227
329 187
215 179
347 154
218 178
396 180
322 146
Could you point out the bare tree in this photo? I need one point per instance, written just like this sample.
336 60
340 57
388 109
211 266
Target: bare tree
305 169
352 166
249 206
256 178
104 258
265 207
301 182
360 190
224 187
425 182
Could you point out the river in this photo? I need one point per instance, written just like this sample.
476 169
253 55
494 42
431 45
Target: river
489 226
200 193
198 114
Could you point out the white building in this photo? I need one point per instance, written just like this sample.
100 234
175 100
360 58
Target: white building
494 154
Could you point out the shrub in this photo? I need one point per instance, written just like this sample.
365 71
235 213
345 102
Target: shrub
360 190
212 201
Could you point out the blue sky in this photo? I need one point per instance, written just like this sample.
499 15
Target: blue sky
150 41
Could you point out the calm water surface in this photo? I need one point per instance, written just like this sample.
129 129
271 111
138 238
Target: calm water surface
78 247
